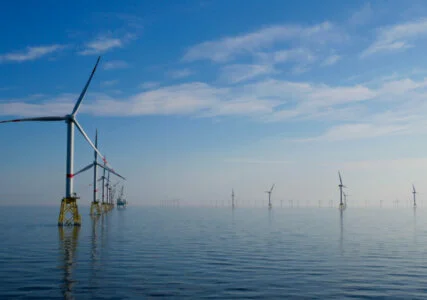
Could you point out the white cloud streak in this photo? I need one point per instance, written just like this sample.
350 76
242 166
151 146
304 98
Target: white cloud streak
401 110
104 43
331 60
397 37
115 65
228 48
179 74
149 85
242 72
31 53
108 83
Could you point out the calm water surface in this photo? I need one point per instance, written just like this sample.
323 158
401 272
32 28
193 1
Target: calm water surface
216 253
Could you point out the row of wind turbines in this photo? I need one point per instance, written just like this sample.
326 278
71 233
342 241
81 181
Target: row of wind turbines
69 213
341 186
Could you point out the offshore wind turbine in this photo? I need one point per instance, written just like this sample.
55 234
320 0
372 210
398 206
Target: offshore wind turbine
69 202
121 201
414 192
108 189
232 199
103 178
94 207
345 198
341 186
269 195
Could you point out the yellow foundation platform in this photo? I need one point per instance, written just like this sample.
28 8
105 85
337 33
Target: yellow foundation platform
69 212
95 208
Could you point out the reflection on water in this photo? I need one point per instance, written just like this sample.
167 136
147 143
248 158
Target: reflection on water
95 265
341 231
415 224
68 238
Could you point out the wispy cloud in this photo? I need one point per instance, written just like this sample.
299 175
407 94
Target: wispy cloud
242 72
362 16
265 100
109 83
115 64
228 48
358 131
397 37
149 85
331 60
268 99
300 55
31 53
178 74
104 43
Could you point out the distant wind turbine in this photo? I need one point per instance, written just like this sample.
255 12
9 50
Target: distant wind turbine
345 198
341 186
95 208
269 195
414 192
232 198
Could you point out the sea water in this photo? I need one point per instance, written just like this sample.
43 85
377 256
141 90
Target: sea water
215 253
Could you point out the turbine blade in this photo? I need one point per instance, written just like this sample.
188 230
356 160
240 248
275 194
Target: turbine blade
84 169
111 171
82 94
272 187
79 127
339 174
42 119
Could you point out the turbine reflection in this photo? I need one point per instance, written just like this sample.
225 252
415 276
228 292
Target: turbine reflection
68 238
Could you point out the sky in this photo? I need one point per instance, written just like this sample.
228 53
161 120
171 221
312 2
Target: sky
195 98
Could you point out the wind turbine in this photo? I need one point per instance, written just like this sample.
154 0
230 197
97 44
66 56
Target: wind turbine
94 207
341 186
69 202
414 192
345 198
269 195
121 201
232 199
103 178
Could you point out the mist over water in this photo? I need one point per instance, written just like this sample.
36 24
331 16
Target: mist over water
143 252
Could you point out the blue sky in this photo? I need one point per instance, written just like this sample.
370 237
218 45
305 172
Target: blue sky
193 98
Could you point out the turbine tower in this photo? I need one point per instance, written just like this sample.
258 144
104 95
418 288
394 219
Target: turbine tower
341 186
95 207
232 199
103 203
269 195
414 192
69 214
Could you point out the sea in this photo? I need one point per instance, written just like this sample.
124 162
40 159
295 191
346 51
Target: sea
215 253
